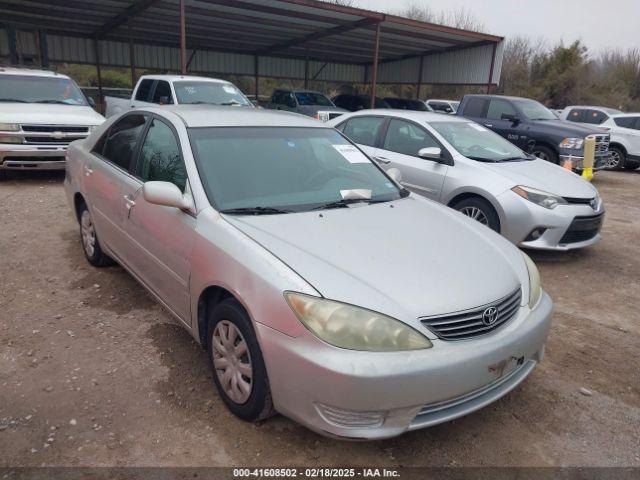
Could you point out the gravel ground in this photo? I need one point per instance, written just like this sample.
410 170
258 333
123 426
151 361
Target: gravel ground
94 373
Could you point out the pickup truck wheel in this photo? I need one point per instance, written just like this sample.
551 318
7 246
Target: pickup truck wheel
616 160
480 210
545 153
89 240
236 360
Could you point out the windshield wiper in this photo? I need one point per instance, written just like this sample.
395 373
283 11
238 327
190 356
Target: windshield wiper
517 159
52 101
254 211
12 100
482 159
345 202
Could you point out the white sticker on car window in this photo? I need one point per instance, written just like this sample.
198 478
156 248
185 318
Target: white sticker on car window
229 89
351 153
477 127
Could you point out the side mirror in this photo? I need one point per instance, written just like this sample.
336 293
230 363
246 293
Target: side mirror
165 194
395 175
510 117
432 153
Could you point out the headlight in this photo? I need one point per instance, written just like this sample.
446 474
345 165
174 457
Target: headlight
355 328
535 290
9 127
539 197
574 143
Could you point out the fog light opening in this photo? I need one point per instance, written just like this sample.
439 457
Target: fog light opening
535 234
350 418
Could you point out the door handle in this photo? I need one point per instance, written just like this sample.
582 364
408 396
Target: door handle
87 170
381 159
130 201
489 125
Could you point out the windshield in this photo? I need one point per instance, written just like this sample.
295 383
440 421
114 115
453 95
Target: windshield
535 110
33 89
477 143
313 98
286 168
455 105
194 92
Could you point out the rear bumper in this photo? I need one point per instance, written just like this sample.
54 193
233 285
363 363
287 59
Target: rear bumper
30 157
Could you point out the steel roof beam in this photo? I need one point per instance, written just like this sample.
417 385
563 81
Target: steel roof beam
138 7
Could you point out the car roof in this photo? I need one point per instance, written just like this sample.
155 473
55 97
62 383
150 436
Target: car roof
195 116
30 72
622 115
440 100
172 78
415 115
507 97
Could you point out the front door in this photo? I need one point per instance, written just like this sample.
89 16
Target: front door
497 114
161 237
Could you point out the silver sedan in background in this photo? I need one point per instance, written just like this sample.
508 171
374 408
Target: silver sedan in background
320 288
462 164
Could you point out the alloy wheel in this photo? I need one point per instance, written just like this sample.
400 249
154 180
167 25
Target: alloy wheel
613 161
88 233
232 361
476 214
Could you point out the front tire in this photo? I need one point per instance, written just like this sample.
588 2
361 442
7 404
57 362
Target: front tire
616 160
89 240
480 210
236 361
545 153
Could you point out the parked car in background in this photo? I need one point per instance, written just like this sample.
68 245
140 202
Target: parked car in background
306 102
41 112
407 104
587 114
177 89
533 127
443 106
353 103
466 166
320 288
625 141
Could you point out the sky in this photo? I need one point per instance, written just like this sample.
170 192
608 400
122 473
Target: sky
599 24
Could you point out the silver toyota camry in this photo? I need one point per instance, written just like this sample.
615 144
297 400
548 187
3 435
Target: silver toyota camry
320 288
466 166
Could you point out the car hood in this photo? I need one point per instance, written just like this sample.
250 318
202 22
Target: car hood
545 176
568 129
49 114
407 258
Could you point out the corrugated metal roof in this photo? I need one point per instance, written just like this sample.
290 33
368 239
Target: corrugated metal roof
227 34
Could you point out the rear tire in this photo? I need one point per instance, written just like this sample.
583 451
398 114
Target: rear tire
617 159
545 153
89 240
236 362
480 210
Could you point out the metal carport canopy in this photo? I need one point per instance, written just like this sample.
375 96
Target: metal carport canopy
301 39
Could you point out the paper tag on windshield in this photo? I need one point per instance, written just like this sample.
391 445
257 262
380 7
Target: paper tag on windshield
229 89
477 127
351 153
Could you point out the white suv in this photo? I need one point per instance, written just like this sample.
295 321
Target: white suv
625 141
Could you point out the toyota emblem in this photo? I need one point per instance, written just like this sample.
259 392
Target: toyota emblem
490 316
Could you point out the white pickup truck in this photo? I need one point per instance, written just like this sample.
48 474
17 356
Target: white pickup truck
41 112
177 89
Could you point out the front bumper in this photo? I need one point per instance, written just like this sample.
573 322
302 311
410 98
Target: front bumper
370 395
31 157
599 162
563 226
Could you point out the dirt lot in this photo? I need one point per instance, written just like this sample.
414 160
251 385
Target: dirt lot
93 372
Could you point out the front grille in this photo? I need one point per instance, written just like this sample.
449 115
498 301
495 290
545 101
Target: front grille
602 143
50 140
578 201
53 134
54 128
472 323
582 229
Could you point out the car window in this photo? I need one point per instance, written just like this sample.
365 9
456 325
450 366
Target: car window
122 139
195 92
595 116
162 94
407 138
313 98
364 130
498 108
475 107
441 107
160 157
576 115
626 122
142 94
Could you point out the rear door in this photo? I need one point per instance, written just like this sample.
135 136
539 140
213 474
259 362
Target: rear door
402 142
366 131
105 175
160 238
